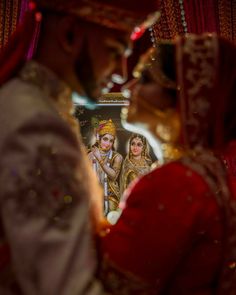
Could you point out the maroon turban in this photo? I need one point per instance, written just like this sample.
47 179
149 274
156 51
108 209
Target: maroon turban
122 15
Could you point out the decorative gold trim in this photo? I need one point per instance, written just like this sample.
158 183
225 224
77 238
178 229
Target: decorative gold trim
113 98
99 13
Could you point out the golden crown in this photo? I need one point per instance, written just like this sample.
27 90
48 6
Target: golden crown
106 127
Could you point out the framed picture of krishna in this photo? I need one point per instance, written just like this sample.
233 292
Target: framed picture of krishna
117 156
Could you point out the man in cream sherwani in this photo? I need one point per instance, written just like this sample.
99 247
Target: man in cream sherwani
47 186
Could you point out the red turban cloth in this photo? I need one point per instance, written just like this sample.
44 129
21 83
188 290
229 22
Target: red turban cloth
122 15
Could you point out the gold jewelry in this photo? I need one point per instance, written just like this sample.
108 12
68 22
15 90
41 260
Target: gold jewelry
171 152
140 162
168 122
151 61
106 127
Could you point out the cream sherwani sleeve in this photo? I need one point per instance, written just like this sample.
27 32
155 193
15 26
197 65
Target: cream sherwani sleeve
45 191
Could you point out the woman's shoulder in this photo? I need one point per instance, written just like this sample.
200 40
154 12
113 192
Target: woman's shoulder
174 168
172 177
175 187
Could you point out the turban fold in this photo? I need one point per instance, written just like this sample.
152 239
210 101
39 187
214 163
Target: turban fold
123 15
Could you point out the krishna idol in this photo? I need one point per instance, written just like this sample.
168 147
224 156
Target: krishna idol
107 163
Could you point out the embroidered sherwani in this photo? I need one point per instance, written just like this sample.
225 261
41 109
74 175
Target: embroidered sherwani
46 246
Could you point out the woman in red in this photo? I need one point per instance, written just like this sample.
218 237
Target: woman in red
177 232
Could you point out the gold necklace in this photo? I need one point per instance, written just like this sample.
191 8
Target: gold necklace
167 122
137 162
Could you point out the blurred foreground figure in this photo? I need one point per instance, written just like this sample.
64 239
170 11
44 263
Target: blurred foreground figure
177 232
47 185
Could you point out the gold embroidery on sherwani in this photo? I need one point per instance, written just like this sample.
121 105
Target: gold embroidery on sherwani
49 167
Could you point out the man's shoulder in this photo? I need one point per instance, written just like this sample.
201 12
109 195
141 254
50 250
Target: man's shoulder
17 95
20 102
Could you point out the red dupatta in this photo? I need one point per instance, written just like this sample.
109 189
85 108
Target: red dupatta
207 78
206 71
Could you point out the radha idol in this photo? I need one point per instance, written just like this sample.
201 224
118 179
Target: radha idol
137 161
107 163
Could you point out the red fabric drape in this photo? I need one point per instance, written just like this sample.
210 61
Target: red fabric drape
207 118
201 16
170 24
9 17
14 54
11 14
227 19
